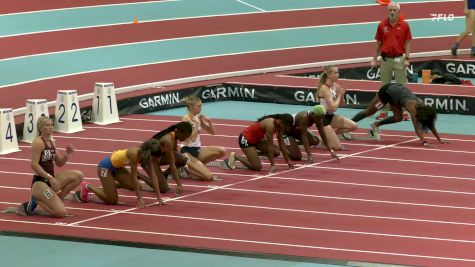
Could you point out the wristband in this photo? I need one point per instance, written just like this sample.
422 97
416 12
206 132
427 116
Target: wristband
48 176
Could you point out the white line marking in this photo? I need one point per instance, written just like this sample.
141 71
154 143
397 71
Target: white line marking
374 185
86 7
352 199
326 213
250 241
265 208
245 181
417 161
247 4
399 173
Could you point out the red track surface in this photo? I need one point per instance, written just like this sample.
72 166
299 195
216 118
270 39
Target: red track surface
386 202
101 36
17 6
189 68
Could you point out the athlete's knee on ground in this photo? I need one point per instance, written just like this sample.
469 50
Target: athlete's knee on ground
206 177
164 188
112 200
256 167
59 212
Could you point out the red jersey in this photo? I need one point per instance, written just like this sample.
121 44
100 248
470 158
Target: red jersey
254 133
393 39
47 158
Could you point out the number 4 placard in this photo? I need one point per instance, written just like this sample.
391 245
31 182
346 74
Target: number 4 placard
67 116
9 142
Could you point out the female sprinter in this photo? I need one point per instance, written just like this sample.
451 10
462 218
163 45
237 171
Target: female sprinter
331 95
259 137
398 96
48 188
113 168
192 145
300 131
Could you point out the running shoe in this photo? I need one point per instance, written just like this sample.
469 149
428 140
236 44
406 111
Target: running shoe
84 192
183 173
406 117
374 132
215 178
226 164
31 206
347 136
75 197
21 211
232 160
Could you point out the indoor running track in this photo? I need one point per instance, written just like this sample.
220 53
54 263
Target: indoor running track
391 201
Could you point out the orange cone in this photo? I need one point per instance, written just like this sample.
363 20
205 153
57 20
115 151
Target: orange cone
136 21
384 2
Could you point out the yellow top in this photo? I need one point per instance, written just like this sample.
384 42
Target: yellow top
119 158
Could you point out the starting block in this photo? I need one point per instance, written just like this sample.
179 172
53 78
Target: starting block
9 141
35 108
67 115
104 106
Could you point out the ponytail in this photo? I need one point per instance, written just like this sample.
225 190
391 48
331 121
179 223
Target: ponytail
183 126
286 118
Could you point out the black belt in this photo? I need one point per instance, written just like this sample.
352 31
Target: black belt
384 56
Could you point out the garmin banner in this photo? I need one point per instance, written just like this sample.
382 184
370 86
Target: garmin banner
354 97
461 69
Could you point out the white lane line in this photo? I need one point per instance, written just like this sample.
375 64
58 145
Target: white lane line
86 7
282 226
247 4
245 181
251 241
269 209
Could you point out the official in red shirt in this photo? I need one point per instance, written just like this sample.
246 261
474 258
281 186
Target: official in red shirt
393 44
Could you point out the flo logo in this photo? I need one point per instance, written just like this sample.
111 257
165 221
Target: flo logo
442 17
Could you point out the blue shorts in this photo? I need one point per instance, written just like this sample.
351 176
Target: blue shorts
192 150
106 163
471 4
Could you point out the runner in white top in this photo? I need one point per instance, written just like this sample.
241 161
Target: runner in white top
331 95
199 155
